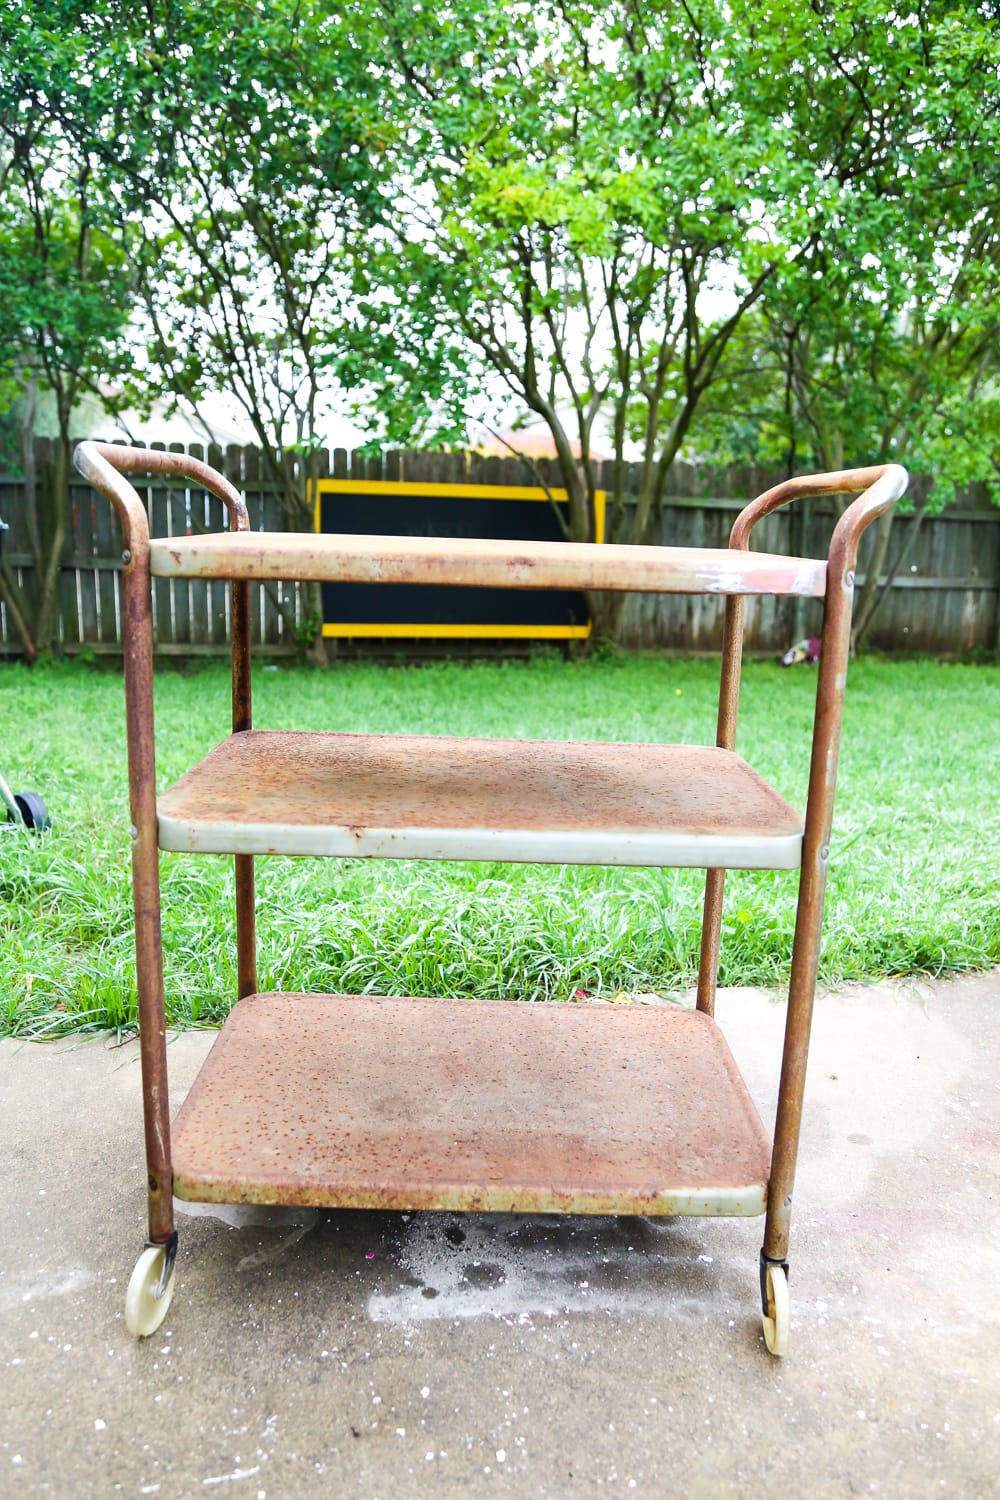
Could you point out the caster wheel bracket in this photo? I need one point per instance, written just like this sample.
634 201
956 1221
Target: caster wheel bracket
151 1287
765 1261
169 1248
776 1316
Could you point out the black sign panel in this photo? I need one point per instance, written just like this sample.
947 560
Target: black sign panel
506 512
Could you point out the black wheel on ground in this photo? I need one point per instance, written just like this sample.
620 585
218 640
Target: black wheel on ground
33 811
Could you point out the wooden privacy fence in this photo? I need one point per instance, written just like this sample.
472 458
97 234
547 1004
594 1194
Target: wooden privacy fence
943 601
191 616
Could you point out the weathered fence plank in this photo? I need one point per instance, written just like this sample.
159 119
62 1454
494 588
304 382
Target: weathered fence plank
945 598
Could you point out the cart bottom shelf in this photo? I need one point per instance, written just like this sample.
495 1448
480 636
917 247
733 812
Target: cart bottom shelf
373 1102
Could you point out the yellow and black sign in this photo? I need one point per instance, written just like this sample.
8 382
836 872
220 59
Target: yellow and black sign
400 508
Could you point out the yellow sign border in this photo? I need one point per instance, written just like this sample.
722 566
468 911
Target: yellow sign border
343 630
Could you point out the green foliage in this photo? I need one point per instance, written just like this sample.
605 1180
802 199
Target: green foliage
65 289
770 228
65 284
236 149
575 185
724 228
267 158
880 340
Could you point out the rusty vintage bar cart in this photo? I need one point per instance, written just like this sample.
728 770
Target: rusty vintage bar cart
383 1102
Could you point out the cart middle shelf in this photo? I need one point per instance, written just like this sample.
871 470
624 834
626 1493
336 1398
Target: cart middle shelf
438 797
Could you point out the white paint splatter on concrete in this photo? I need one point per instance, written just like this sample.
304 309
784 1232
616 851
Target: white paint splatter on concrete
522 1267
62 1281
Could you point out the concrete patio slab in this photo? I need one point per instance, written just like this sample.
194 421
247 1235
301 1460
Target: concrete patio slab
389 1355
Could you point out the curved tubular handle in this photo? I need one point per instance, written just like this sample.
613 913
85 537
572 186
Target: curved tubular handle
882 485
878 497
104 463
90 462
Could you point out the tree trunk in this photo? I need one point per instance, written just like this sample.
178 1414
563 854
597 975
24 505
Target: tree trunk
316 645
868 598
54 519
10 594
868 609
298 476
315 652
47 524
607 613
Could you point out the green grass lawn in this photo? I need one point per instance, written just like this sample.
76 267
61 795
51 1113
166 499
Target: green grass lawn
914 884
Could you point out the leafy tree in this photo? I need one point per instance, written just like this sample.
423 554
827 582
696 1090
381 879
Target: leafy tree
880 342
65 294
596 198
265 163
239 145
593 200
618 213
269 168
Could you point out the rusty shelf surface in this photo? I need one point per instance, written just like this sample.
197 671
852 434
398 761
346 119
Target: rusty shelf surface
444 561
434 797
372 1102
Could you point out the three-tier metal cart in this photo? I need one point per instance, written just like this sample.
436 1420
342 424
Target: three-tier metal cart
385 1102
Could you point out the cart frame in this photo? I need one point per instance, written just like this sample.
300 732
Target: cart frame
107 466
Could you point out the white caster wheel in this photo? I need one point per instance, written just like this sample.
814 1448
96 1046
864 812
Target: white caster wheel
776 1318
144 1310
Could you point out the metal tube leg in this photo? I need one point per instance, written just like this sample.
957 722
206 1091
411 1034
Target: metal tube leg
138 637
153 1054
791 1090
715 880
246 930
830 686
246 927
711 928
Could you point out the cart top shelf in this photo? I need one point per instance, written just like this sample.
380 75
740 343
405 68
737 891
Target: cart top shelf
444 561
